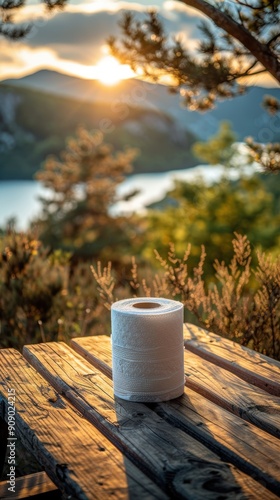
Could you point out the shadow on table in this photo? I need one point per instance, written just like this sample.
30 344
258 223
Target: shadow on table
180 465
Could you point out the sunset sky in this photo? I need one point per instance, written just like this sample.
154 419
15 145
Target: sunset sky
73 41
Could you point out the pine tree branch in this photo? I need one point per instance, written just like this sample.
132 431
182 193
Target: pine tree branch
259 50
259 72
273 39
254 7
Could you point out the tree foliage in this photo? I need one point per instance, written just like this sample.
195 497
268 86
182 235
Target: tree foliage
209 215
219 149
267 155
13 30
242 40
83 187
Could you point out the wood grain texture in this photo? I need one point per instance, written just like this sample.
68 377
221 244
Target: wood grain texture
75 455
28 486
250 449
232 393
211 381
97 350
249 365
182 466
235 440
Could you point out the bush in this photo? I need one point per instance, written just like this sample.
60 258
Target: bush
242 303
41 297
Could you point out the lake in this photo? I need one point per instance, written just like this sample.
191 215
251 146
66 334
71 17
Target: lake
20 199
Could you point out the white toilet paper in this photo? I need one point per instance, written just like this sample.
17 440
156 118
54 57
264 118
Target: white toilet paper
147 349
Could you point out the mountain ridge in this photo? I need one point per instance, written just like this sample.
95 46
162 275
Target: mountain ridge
38 112
34 124
254 121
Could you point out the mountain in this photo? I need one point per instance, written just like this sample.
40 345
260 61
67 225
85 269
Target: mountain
34 124
38 112
245 112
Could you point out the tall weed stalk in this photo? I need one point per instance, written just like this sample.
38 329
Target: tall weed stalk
241 303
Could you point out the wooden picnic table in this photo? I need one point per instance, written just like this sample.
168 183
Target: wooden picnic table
219 441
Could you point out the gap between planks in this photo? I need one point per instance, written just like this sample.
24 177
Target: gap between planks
75 455
217 384
249 365
92 394
203 418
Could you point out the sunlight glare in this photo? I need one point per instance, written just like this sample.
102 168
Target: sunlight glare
110 72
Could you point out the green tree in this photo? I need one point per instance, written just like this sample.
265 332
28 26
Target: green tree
83 182
209 215
219 149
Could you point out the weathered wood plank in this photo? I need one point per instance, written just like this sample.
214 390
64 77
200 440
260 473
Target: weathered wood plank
214 383
241 443
75 455
248 354
182 465
97 350
249 365
232 393
29 486
250 449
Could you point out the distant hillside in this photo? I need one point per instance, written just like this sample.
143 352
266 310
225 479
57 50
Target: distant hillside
34 124
246 114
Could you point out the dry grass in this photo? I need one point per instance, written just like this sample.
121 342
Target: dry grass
242 303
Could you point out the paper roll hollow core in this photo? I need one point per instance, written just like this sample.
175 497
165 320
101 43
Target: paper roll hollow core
147 349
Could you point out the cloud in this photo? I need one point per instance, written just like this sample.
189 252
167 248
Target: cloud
75 29
22 59
74 39
76 34
27 60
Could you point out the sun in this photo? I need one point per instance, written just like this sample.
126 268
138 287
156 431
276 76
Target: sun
110 72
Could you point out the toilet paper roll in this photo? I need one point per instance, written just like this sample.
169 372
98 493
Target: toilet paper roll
147 349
